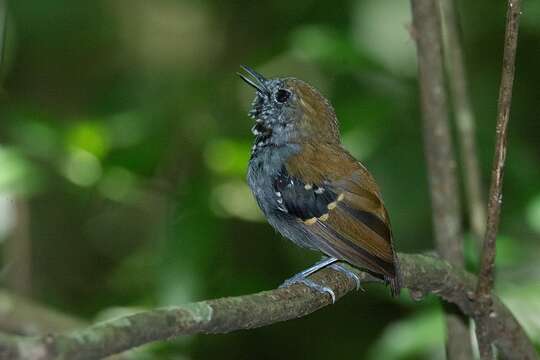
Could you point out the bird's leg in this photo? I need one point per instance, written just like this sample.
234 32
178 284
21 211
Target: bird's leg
350 274
302 278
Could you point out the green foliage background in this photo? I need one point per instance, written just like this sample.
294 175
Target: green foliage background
124 139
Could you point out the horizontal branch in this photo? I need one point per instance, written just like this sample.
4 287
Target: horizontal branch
421 274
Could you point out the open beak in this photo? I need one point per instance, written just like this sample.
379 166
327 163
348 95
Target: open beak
257 80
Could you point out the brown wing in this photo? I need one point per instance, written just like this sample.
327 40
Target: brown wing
350 221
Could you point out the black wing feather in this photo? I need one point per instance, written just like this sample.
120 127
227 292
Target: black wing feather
304 203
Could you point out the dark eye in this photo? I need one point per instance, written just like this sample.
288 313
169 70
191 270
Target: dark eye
283 95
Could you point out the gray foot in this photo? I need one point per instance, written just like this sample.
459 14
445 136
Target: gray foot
301 279
349 274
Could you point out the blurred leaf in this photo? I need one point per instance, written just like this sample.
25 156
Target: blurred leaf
17 175
530 15
533 213
227 156
524 301
82 168
419 336
359 142
234 199
325 46
126 129
320 43
507 251
36 137
91 137
380 28
119 184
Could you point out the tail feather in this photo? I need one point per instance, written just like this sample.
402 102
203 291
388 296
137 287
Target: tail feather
396 282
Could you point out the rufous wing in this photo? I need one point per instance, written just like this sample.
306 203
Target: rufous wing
338 203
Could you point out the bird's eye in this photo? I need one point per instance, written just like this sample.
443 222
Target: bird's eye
283 95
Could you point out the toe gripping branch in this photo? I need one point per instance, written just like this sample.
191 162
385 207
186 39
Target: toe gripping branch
302 277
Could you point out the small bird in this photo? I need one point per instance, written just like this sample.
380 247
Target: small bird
311 190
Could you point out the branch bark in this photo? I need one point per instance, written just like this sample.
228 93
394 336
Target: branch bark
440 160
487 265
421 274
457 79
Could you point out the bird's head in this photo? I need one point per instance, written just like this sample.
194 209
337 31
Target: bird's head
290 110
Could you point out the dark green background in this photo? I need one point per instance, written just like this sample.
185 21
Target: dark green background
123 132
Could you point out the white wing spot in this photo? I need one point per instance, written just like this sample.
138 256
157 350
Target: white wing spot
324 217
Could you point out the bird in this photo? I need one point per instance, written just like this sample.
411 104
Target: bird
310 188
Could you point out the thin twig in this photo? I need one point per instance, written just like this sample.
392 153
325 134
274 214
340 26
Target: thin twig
487 264
421 274
438 149
457 79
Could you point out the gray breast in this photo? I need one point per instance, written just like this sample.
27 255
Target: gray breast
264 166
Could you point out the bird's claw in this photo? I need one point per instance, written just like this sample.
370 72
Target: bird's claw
311 284
350 274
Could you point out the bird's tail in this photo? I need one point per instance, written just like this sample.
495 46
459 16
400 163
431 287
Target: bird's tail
396 282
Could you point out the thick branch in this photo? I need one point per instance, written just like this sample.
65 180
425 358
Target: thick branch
422 274
437 138
457 79
440 160
486 277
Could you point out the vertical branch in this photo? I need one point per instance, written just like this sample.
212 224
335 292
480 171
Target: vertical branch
18 250
437 140
440 160
457 79
487 263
